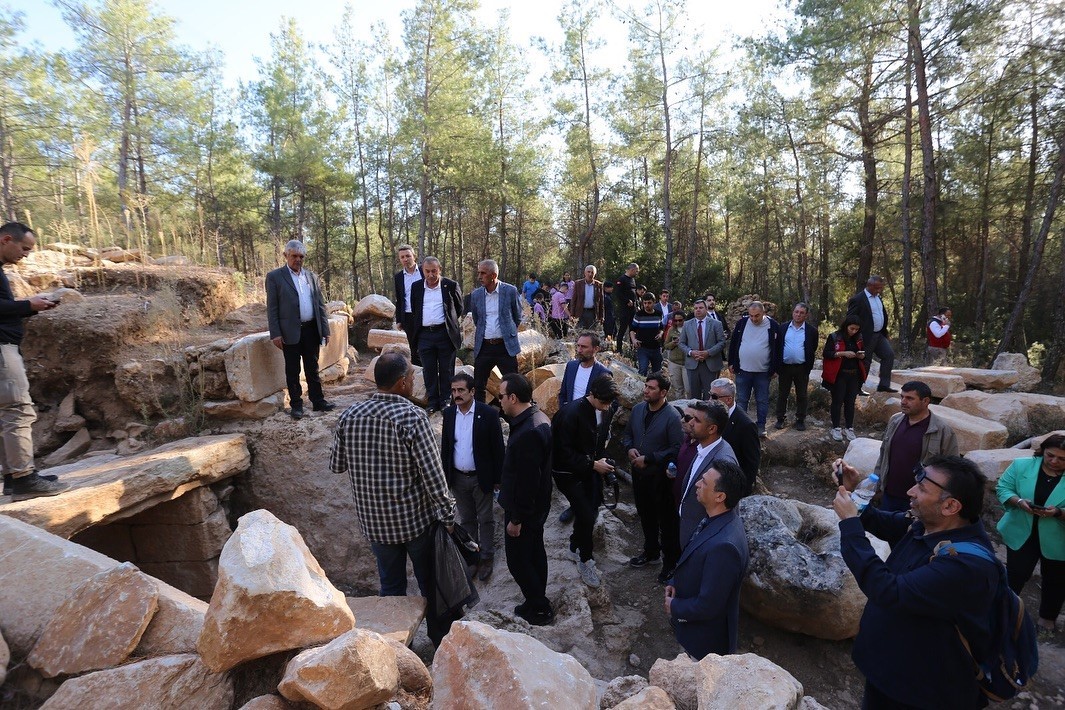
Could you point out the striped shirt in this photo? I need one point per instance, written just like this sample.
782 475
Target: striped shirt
388 450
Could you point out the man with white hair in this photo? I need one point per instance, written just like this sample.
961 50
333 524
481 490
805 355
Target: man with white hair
295 312
586 300
496 314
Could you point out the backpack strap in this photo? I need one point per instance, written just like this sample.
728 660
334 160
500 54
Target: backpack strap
946 548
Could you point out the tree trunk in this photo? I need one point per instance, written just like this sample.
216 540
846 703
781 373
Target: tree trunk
869 171
1056 351
928 165
906 327
667 172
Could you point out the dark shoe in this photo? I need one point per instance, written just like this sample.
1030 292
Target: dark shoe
297 413
886 389
521 609
761 432
567 515
9 479
541 618
665 575
324 406
642 560
35 486
779 424
484 569
800 426
862 392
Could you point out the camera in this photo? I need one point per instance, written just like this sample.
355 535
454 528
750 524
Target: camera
611 477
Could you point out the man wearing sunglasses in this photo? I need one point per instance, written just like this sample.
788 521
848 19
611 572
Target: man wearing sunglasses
921 602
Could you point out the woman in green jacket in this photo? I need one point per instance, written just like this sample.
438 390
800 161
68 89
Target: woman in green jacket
1033 528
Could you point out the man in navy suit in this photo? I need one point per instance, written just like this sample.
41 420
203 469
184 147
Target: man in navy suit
496 310
403 280
434 330
703 602
705 423
795 353
869 307
471 448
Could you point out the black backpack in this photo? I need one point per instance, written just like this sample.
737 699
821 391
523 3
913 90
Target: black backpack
1013 653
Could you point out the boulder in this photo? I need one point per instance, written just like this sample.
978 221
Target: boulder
797 579
621 689
1029 377
877 408
374 306
469 332
1036 441
353 671
478 666
377 338
232 410
1045 412
255 367
940 384
67 295
418 394
98 625
677 678
994 462
1005 408
973 432
862 453
180 681
629 382
546 395
150 386
75 446
5 658
745 682
977 377
272 595
396 618
534 348
650 698
414 677
546 372
267 702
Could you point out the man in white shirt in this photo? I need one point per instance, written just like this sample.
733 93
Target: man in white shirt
496 314
796 351
403 280
869 307
436 306
706 422
586 300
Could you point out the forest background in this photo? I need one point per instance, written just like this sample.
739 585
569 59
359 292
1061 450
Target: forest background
923 140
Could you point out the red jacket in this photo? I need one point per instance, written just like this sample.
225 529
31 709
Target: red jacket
831 366
933 341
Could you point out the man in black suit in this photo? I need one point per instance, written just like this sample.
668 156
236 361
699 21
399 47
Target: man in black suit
403 280
471 448
740 432
436 304
628 301
295 312
869 307
795 353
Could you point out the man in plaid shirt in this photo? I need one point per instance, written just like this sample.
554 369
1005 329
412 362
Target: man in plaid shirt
388 449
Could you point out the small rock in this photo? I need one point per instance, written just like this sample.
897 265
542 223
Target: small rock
650 698
745 681
677 678
634 660
620 689
355 670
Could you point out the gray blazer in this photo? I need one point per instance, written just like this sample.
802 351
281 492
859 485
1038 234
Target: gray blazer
283 306
509 317
660 443
713 340
691 510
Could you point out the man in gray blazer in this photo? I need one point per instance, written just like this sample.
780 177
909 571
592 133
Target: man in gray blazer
496 313
295 312
652 440
702 341
705 424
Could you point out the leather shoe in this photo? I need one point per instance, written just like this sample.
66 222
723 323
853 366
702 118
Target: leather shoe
800 426
886 389
484 569
642 560
779 424
664 576
297 414
324 407
567 515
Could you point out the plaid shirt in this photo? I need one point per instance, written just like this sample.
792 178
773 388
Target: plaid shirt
388 449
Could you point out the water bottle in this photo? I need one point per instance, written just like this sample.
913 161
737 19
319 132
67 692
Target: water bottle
671 470
865 492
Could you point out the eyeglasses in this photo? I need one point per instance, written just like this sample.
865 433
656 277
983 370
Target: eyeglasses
714 396
920 474
691 418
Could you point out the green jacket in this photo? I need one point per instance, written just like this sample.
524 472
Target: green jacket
939 439
1016 525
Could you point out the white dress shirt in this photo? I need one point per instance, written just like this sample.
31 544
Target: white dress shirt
464 439
303 288
433 305
876 305
491 314
408 281
580 382
701 453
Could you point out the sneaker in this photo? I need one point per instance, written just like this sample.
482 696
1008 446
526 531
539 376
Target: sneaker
642 560
800 426
324 406
779 424
34 486
9 481
574 555
589 573
849 433
567 515
761 432
297 414
837 434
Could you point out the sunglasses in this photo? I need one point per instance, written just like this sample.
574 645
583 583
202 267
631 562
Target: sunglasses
689 417
714 396
920 474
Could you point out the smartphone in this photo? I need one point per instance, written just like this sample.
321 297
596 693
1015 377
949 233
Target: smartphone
838 470
1033 506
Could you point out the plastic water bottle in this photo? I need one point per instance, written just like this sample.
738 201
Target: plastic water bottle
671 470
865 492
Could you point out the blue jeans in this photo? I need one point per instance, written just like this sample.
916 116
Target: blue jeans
649 356
392 564
759 382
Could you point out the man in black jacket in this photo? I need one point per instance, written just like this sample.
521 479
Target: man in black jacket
740 433
525 494
580 431
869 307
435 331
403 280
795 353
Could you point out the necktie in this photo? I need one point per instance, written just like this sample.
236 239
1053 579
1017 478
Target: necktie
699 529
699 329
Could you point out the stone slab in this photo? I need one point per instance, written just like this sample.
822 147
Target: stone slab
337 347
994 462
255 367
977 377
940 384
193 507
105 489
374 306
74 447
393 617
974 433
1005 408
182 543
232 410
377 338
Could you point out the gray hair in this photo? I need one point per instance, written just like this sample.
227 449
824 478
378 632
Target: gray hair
295 246
430 260
594 270
757 304
875 279
489 264
724 383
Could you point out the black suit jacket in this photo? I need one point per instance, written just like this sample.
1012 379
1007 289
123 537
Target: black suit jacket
809 345
858 305
401 294
742 435
487 445
283 305
452 309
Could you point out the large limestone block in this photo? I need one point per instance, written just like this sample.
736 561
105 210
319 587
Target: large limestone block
1005 408
677 678
977 377
745 682
546 372
478 666
192 577
193 507
862 453
396 618
546 396
1029 377
105 489
940 384
797 579
374 306
469 332
5 658
377 338
181 681
1045 412
179 543
353 671
337 347
973 432
534 349
650 698
418 394
272 595
75 446
994 462
255 367
629 382
98 625
232 410
877 408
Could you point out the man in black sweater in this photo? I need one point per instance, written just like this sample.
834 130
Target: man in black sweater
525 495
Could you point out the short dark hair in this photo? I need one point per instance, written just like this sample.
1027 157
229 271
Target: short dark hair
1054 441
532 275
465 378
732 482
389 369
716 413
710 294
923 391
697 301
608 284
941 310
519 386
16 230
648 297
801 304
664 291
965 483
661 379
604 388
589 334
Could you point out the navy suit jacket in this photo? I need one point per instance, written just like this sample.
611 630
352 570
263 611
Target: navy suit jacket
570 375
509 317
487 445
705 611
692 511
452 298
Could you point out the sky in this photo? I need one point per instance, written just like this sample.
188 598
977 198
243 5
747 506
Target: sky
241 29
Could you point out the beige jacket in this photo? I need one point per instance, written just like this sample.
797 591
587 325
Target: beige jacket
938 439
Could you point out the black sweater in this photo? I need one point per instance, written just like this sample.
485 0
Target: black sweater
525 485
11 313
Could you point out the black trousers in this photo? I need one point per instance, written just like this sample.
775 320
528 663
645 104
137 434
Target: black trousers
491 355
1021 563
437 354
305 351
408 328
798 376
844 392
625 315
584 493
559 327
527 562
658 517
